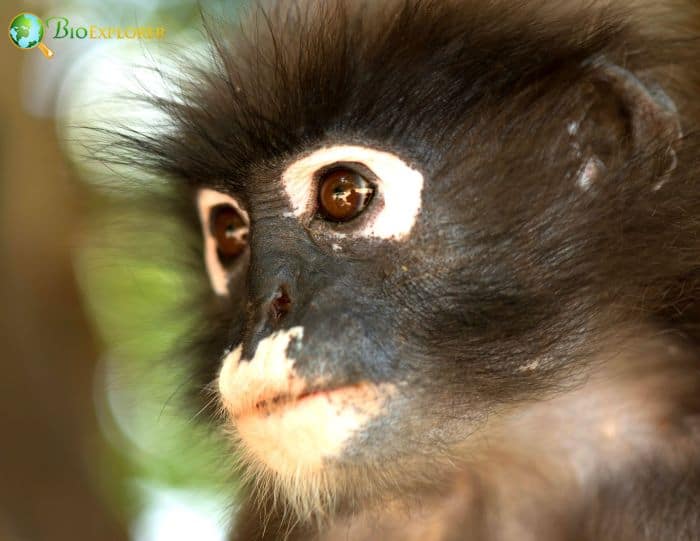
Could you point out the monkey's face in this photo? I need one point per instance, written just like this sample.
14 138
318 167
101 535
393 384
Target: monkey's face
422 246
313 262
365 335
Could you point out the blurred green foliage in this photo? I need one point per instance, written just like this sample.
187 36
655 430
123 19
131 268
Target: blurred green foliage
136 303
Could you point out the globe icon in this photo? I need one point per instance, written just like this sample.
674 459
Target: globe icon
27 31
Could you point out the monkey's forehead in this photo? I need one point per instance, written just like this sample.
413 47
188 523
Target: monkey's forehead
413 77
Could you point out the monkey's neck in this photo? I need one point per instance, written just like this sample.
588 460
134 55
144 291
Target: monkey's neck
574 466
577 465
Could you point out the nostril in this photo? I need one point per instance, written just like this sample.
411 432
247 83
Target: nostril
280 305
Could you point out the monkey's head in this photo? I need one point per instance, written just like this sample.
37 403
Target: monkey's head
414 217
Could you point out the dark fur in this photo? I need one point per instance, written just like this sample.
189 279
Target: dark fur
509 261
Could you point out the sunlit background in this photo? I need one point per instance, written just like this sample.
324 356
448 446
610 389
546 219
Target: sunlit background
96 442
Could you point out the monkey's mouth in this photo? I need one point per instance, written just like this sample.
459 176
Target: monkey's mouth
278 402
282 400
306 430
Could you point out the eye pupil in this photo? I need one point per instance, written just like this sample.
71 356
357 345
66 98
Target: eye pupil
343 194
230 232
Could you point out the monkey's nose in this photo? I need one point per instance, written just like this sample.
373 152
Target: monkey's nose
280 305
268 320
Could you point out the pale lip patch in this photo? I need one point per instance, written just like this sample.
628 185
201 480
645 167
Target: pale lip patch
285 422
305 434
270 373
268 405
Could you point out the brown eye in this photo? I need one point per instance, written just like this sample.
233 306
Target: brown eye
230 232
343 194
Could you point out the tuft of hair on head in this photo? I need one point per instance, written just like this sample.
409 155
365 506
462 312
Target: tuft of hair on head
375 70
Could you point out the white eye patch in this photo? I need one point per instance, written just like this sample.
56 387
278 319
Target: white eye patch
399 185
207 200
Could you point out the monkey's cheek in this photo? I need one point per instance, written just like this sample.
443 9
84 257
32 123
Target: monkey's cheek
310 434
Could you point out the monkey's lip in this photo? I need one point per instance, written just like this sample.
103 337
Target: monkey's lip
277 402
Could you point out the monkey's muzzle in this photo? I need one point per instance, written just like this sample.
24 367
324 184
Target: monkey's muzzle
284 421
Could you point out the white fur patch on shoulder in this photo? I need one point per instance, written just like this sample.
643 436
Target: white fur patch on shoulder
399 184
207 199
589 173
283 425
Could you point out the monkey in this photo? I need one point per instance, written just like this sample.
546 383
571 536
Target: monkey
454 256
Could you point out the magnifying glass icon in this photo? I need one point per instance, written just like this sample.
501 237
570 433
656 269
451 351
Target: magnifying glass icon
26 32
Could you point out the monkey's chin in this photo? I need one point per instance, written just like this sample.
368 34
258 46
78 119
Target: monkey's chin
308 434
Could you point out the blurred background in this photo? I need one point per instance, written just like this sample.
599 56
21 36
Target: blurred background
95 441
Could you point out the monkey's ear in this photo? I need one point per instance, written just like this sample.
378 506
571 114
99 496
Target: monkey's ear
625 118
652 114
